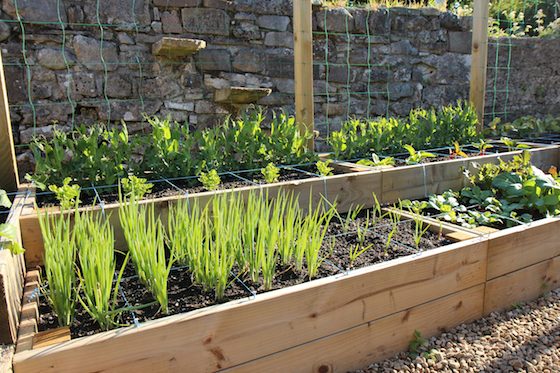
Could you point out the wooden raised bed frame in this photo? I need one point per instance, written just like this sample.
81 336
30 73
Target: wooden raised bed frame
12 275
350 189
337 323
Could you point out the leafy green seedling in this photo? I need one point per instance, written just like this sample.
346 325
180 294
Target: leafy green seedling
67 195
136 187
513 144
323 168
457 152
482 146
8 230
416 156
210 180
270 173
375 161
416 344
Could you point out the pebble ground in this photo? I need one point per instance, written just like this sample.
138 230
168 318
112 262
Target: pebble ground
525 338
6 353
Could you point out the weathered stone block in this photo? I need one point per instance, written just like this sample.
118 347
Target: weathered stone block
275 23
247 31
403 47
240 95
335 20
5 31
118 86
460 42
206 21
183 106
279 39
214 60
54 59
35 10
219 4
171 22
89 52
249 60
84 84
177 3
276 7
177 47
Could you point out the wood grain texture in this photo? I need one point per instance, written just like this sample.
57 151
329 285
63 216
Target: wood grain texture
479 56
9 178
512 249
29 313
234 333
303 67
522 285
375 340
12 274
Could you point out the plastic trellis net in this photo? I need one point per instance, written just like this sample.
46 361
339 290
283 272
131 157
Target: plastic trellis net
351 67
510 20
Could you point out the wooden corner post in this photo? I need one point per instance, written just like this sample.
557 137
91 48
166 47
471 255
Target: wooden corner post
9 179
479 57
303 66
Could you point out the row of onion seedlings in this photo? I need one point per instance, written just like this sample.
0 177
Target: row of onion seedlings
250 236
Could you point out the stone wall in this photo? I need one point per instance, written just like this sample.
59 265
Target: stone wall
367 63
531 85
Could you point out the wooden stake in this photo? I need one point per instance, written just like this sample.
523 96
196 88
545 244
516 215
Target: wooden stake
303 67
9 179
479 58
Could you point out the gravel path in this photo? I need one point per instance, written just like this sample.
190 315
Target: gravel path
523 339
6 353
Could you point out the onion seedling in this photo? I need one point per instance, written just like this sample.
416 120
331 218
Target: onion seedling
288 226
356 251
95 242
395 219
60 254
313 230
144 236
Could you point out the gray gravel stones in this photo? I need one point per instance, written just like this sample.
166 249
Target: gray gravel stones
523 339
6 353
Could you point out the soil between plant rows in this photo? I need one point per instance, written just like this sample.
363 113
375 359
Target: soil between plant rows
185 296
180 187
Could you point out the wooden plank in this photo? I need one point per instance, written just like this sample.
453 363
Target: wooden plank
29 313
523 285
234 333
9 178
51 337
479 56
375 340
303 66
12 273
519 247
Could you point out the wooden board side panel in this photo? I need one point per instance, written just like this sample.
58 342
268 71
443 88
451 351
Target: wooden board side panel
373 341
12 274
519 247
523 285
233 334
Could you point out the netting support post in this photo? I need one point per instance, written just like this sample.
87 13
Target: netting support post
479 55
303 66
9 179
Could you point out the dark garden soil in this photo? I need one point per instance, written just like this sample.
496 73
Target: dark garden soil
185 296
180 187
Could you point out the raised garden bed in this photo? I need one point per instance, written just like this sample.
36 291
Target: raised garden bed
343 321
353 187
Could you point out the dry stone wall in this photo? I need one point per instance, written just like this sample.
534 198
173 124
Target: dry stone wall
86 61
